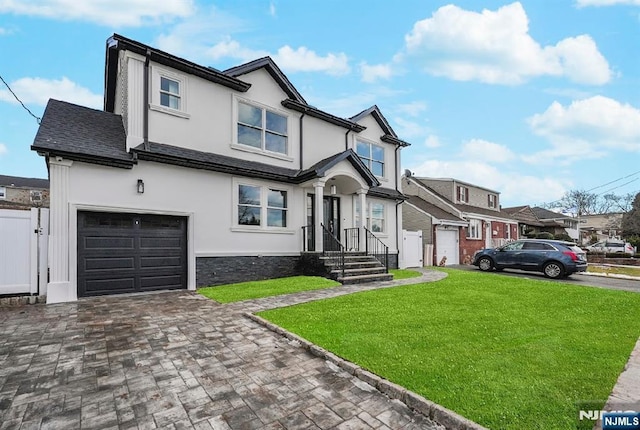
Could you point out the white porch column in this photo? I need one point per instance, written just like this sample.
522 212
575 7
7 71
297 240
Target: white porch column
362 194
59 288
318 215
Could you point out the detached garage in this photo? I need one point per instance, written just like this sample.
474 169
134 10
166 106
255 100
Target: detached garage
127 253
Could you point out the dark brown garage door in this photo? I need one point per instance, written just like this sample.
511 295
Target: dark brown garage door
126 253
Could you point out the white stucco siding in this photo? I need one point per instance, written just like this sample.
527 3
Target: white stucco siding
206 197
321 140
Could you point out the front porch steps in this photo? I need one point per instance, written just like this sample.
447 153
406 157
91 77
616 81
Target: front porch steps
359 268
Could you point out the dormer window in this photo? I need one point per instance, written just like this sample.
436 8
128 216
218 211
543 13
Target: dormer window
372 156
492 200
262 128
463 194
169 93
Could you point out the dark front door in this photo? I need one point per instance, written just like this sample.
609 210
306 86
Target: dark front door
330 218
331 214
125 253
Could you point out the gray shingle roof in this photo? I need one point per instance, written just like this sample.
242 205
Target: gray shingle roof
432 209
545 214
220 163
81 133
320 168
20 182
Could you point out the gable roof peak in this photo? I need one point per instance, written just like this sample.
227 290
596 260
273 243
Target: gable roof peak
272 68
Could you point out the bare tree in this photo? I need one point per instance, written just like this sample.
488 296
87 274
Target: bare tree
581 203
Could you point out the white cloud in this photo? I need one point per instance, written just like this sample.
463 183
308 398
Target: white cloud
232 49
372 73
496 47
38 91
103 12
3 149
414 108
5 31
591 125
584 3
484 150
514 187
303 59
272 9
432 141
408 129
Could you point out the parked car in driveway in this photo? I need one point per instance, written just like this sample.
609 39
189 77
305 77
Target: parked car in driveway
554 258
611 246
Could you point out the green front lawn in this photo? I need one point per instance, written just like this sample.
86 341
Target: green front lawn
404 273
271 287
508 353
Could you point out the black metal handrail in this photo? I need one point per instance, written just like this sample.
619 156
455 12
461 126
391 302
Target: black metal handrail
352 239
375 247
308 238
333 250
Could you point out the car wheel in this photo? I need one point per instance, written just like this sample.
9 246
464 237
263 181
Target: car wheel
553 270
485 264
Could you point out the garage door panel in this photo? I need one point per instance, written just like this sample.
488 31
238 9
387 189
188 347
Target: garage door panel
120 253
161 282
108 243
109 286
160 262
109 263
161 242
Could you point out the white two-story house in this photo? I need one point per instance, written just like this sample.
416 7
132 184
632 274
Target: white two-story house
192 176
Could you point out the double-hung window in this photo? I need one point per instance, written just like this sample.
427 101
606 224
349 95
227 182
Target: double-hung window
375 216
262 206
474 231
492 200
372 156
463 194
170 93
262 128
3 193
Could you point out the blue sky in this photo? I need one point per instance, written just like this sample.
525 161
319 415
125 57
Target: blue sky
530 98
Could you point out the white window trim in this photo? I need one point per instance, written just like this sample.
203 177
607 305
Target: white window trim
494 204
247 148
264 191
154 102
385 223
385 165
3 193
462 194
478 236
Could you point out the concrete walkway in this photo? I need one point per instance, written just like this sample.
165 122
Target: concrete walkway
176 360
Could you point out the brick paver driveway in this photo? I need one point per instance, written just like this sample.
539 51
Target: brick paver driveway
173 360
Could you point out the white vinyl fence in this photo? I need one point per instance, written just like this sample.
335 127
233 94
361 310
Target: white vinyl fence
412 242
23 251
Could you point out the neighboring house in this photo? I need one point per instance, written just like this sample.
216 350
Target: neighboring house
23 193
193 176
594 228
528 223
458 218
557 223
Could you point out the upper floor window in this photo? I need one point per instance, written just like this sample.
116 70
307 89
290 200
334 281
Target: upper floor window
169 93
372 156
261 206
262 129
3 193
463 194
492 200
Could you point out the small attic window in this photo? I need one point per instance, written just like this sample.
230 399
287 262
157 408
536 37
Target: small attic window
169 93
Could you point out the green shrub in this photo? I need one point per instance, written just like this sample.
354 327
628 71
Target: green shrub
544 235
563 236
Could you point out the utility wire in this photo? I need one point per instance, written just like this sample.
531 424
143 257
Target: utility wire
612 182
38 119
